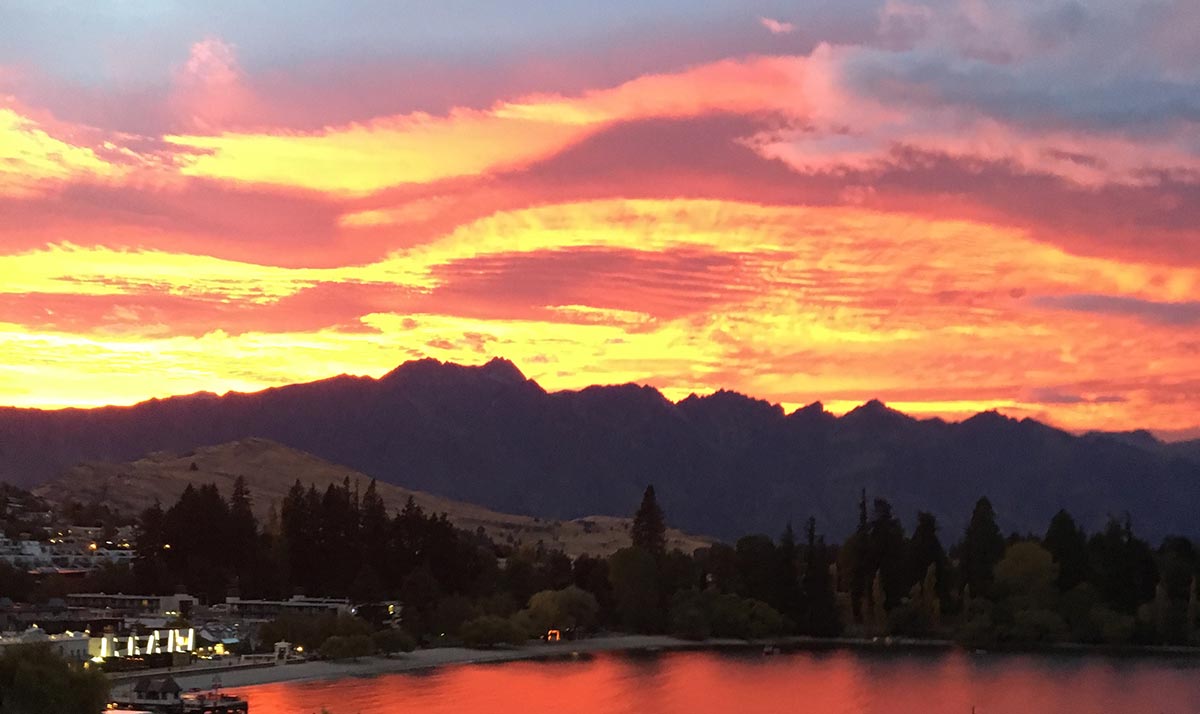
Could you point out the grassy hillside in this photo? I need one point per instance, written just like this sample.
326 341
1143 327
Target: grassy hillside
270 470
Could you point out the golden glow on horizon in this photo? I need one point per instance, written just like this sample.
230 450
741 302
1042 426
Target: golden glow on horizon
817 304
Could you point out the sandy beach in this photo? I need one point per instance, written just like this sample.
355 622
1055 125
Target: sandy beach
435 657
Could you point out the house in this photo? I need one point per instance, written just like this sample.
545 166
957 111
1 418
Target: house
297 605
68 645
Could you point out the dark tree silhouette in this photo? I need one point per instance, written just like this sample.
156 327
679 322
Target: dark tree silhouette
925 549
858 557
886 539
649 529
1125 571
757 560
243 534
821 616
1068 544
788 591
982 547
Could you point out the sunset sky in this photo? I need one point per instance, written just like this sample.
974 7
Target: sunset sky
951 205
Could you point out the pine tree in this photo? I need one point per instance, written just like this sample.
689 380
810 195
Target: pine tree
373 536
821 615
1068 544
982 547
149 566
649 525
245 550
298 529
788 577
858 550
924 551
243 527
886 553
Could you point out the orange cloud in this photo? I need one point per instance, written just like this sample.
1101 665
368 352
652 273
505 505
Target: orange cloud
33 160
792 304
419 148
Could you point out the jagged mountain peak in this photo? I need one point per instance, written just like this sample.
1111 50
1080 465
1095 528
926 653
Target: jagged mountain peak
724 464
875 413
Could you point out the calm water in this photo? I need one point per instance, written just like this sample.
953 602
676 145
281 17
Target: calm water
721 683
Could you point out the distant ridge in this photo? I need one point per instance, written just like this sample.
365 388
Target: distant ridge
270 470
724 464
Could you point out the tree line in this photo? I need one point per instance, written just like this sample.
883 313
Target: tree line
984 588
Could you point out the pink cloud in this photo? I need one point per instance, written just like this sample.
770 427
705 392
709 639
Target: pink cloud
777 27
210 90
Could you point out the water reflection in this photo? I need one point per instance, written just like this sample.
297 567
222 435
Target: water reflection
721 682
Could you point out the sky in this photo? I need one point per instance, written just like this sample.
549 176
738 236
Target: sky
949 205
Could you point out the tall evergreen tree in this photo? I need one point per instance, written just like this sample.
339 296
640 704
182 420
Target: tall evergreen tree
407 538
1125 571
149 564
925 551
198 557
373 530
858 555
821 616
982 547
887 546
243 531
789 590
649 525
373 541
1068 544
297 524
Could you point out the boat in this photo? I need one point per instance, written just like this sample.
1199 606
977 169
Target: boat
163 695
212 702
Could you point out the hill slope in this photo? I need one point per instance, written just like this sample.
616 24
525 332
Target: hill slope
723 464
270 469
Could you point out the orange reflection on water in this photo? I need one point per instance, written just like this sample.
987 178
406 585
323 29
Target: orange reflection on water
713 683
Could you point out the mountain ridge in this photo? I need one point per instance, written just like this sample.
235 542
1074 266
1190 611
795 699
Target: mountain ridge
724 464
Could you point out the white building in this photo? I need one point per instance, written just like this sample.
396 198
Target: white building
159 641
69 645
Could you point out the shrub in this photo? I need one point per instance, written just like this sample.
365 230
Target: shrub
490 630
392 640
347 647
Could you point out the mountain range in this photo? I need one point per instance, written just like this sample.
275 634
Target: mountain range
723 464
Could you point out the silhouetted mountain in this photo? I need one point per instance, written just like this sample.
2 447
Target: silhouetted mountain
724 464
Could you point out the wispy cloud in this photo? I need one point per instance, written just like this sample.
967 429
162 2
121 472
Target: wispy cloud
777 27
1183 314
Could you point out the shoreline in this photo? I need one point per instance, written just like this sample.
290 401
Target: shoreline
431 658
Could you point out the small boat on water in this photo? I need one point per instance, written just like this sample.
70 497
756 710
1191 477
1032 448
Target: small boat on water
163 695
213 702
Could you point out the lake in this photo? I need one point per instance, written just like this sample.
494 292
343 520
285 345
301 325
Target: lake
705 682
